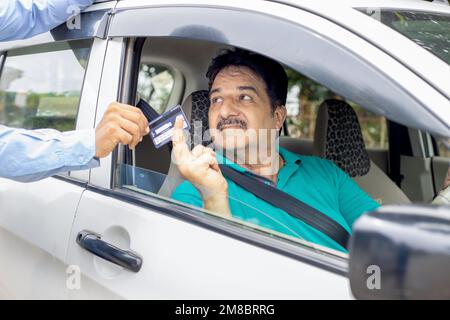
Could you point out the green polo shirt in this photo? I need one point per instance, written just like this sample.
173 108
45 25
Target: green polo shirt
315 181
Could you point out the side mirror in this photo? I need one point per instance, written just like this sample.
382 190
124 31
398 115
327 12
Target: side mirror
401 252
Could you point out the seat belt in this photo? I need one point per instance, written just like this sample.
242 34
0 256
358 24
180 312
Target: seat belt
289 204
147 110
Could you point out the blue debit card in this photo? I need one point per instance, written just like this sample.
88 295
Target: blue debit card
161 128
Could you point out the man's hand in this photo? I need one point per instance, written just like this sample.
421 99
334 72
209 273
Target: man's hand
120 123
200 167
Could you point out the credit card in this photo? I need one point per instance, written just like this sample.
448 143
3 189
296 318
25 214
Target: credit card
161 128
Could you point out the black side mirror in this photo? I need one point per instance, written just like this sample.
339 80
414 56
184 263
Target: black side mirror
401 252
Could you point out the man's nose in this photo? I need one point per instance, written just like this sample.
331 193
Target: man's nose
228 108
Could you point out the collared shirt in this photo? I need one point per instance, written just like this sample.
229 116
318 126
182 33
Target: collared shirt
315 181
20 19
30 155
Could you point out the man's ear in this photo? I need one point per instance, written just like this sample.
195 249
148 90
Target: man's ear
280 115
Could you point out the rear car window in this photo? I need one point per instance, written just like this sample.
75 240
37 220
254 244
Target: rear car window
303 101
429 30
155 85
40 87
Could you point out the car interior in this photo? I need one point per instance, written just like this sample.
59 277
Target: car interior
397 174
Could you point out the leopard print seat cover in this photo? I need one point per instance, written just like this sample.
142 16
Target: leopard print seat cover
344 140
199 118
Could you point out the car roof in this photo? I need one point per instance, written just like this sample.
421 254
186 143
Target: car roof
419 4
405 4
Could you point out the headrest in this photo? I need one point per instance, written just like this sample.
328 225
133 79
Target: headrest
196 107
338 137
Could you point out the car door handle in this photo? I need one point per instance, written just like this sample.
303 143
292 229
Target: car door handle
93 243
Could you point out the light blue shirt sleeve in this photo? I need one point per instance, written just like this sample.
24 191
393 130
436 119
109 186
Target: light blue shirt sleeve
31 155
20 19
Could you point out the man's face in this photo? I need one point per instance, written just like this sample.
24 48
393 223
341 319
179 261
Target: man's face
240 112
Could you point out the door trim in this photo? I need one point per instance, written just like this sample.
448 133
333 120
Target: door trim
285 247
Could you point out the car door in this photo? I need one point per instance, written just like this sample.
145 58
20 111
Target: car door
163 249
44 84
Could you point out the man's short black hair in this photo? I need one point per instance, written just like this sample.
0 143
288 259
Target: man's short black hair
269 70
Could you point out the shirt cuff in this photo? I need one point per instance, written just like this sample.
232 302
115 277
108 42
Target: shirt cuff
78 149
80 4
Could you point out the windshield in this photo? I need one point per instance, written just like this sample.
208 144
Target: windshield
430 30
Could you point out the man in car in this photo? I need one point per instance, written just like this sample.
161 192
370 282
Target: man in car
247 106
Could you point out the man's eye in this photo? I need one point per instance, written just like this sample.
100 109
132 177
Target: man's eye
216 100
245 97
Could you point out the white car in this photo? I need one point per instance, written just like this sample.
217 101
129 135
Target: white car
113 231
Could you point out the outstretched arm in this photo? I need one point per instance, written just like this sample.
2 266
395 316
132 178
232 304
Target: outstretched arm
20 19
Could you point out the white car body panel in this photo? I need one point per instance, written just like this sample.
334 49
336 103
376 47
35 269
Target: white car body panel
39 222
35 224
184 261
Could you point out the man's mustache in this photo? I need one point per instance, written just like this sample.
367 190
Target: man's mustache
231 121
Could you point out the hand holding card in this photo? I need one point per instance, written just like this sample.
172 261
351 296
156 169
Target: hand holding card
200 167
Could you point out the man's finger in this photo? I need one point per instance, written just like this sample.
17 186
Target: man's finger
180 148
209 159
122 136
198 150
132 114
216 167
131 128
178 134
211 151
138 118
127 107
